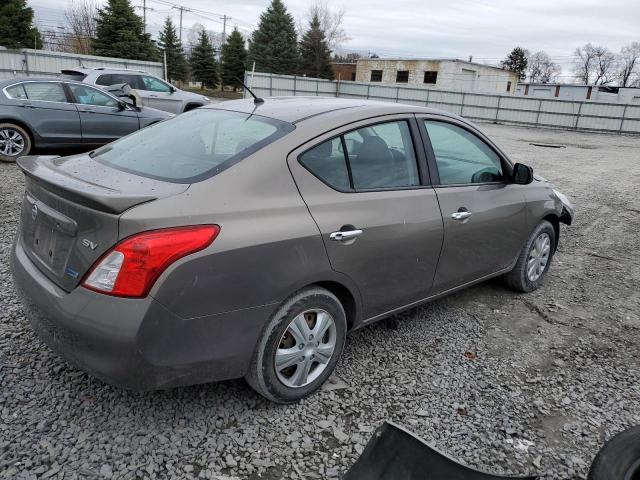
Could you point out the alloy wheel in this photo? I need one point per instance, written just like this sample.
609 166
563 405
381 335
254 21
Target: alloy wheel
12 142
538 256
305 348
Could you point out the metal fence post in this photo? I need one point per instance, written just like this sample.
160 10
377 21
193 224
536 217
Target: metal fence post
368 91
317 86
498 109
397 94
271 84
294 85
624 115
575 127
426 102
538 114
462 104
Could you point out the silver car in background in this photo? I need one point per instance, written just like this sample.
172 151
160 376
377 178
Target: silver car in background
154 92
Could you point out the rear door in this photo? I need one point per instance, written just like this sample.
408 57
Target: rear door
101 116
365 186
483 213
46 109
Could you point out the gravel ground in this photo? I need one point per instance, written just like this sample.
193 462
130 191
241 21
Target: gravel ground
526 384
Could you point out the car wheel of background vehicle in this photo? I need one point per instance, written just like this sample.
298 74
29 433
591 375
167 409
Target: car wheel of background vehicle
300 347
14 142
534 260
619 459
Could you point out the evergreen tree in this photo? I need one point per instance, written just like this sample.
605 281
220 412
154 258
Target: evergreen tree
517 61
204 67
119 33
274 45
169 42
233 59
315 56
16 25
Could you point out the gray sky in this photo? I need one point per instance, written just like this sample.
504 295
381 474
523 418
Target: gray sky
426 28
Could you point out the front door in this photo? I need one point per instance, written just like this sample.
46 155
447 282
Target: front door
103 119
380 224
160 95
483 214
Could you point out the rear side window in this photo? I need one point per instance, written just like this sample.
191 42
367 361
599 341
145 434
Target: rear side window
45 91
16 92
192 146
379 156
108 79
327 162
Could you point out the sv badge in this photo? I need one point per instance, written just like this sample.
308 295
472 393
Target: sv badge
89 244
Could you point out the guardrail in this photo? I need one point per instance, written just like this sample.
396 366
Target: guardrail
484 107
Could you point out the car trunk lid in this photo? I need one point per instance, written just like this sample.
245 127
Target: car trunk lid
71 210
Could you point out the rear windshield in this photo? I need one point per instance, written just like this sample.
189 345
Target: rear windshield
192 146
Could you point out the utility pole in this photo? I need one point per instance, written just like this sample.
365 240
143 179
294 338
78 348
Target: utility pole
182 9
224 19
144 9
224 27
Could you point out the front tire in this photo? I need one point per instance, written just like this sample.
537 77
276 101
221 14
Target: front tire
619 459
534 260
300 347
14 142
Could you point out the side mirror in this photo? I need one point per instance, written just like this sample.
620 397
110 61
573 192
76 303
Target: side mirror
522 174
173 89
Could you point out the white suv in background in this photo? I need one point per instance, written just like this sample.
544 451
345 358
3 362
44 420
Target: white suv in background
155 92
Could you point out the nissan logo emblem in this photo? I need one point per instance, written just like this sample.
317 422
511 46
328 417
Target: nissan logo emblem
34 211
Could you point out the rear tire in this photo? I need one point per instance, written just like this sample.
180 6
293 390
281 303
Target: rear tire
299 347
15 142
619 459
534 260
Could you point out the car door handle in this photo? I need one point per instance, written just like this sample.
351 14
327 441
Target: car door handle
153 96
346 235
461 215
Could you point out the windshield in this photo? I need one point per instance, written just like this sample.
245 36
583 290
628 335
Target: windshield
193 146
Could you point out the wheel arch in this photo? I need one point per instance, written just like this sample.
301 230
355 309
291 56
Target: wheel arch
191 106
22 125
346 297
554 220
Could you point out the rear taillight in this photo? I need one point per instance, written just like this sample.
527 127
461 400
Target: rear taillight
131 267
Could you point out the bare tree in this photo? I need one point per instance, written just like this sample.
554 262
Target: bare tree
584 62
629 66
194 34
595 65
81 25
540 68
330 21
605 66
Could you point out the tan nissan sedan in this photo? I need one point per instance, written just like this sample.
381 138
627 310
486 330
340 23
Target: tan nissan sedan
246 239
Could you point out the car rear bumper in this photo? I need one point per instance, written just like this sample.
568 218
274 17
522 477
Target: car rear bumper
135 343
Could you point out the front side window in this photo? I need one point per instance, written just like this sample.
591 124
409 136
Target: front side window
376 75
45 91
192 146
91 96
379 156
16 92
461 157
154 85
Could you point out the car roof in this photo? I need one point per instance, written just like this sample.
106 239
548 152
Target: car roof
298 109
11 81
